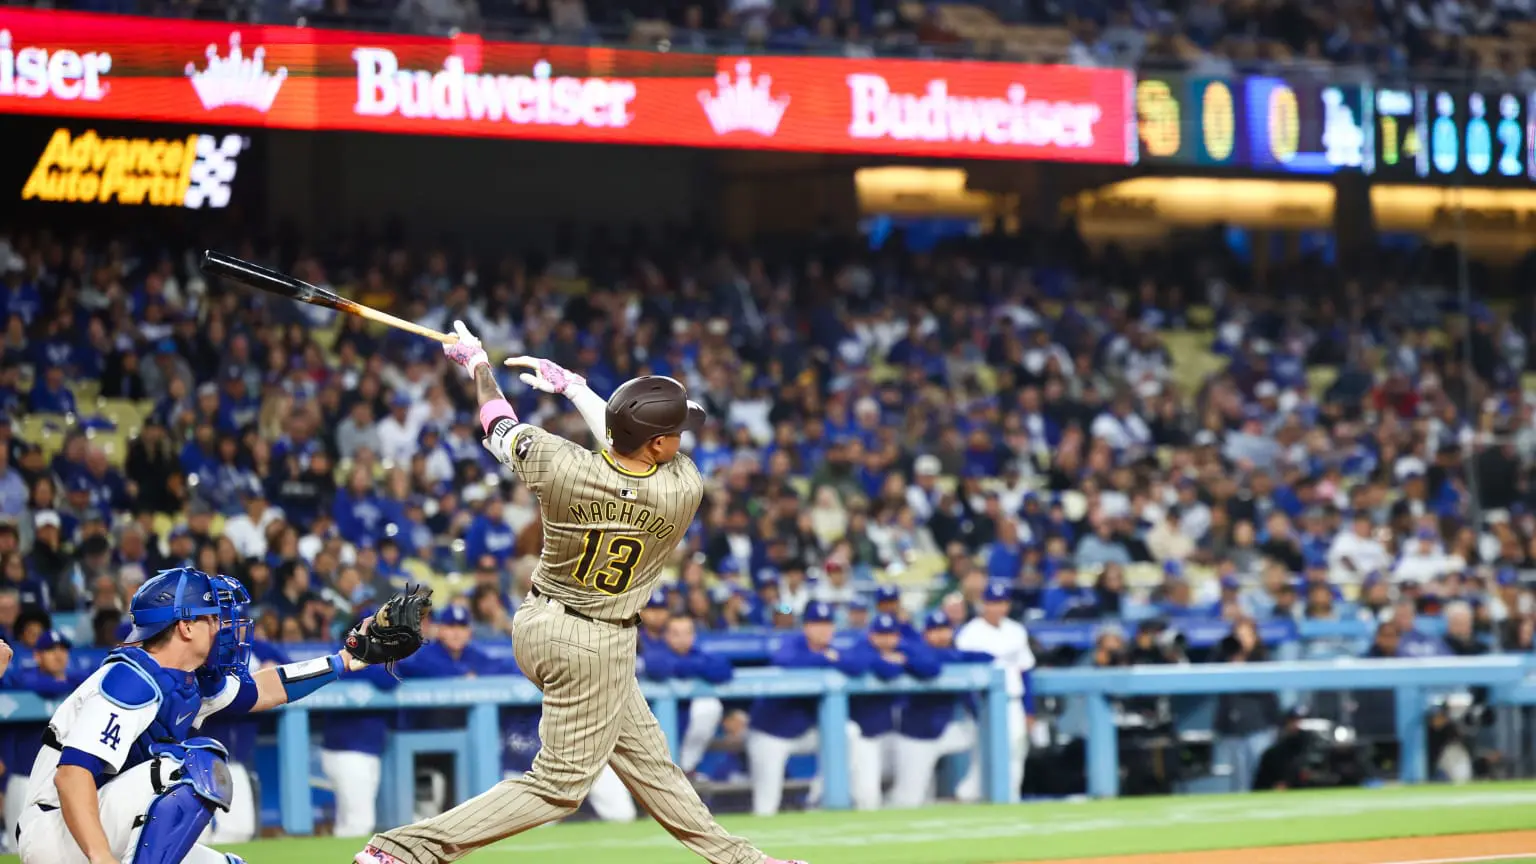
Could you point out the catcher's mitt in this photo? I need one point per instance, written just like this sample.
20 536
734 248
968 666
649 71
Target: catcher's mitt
394 632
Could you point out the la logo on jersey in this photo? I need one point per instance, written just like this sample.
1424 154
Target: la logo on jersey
745 104
113 734
236 79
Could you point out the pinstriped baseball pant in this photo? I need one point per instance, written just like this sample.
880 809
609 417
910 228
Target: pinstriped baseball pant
594 714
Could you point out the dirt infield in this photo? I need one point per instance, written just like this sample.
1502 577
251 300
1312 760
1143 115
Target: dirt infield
1454 849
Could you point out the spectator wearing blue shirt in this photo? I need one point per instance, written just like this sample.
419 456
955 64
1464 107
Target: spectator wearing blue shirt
785 727
1101 546
358 511
50 395
489 533
1064 597
109 491
678 658
1005 555
1411 642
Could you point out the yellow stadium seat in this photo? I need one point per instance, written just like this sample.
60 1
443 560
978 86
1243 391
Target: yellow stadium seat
1319 379
123 413
1143 576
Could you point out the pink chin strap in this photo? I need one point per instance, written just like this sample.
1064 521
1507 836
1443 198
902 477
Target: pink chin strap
492 411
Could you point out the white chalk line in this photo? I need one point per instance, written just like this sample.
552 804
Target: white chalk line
1518 855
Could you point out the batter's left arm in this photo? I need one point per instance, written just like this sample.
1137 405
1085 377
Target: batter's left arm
547 376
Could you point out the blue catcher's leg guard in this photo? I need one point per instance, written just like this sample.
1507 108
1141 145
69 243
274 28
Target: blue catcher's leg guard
177 818
233 858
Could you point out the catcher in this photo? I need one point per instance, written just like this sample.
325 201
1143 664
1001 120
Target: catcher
611 519
123 774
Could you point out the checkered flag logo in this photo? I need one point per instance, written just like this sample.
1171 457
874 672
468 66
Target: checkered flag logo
214 171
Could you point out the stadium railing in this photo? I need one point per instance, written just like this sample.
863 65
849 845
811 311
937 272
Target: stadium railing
755 646
1511 680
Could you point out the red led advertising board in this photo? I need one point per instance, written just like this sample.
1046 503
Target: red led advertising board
97 66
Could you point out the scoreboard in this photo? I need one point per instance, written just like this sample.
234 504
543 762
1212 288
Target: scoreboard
1446 135
1432 134
1253 122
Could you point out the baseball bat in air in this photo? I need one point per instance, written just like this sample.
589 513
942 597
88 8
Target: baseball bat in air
283 285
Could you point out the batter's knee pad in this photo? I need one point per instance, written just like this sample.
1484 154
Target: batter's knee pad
178 816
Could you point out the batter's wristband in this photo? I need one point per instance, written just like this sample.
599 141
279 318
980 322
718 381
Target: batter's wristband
494 410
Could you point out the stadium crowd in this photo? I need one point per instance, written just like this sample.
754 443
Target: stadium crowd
938 423
997 429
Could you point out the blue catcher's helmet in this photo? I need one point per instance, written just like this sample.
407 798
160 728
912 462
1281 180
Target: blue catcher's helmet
186 594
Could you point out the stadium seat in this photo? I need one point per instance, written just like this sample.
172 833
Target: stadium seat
123 413
1320 378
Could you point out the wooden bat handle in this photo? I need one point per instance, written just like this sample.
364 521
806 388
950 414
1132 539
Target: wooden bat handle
389 320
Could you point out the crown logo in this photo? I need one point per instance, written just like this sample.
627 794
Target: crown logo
743 105
236 79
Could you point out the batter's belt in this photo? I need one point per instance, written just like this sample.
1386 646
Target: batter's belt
627 622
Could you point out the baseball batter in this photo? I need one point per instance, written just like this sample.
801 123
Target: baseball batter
611 519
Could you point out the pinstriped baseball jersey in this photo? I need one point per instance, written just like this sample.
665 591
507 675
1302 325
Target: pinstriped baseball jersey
608 531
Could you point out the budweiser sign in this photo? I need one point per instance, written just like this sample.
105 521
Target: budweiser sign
37 73
541 99
936 114
54 62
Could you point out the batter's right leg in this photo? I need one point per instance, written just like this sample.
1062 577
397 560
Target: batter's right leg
641 760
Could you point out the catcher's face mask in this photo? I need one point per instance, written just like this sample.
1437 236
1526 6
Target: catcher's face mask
232 647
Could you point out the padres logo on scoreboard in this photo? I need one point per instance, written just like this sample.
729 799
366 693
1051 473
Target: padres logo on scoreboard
195 171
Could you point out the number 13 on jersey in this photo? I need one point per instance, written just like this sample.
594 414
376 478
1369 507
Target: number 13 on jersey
616 570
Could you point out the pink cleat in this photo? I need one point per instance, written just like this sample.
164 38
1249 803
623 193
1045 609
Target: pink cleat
768 860
375 855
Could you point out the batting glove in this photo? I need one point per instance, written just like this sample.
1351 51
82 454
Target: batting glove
547 375
467 352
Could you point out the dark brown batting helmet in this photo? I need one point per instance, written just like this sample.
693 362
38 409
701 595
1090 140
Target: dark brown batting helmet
649 406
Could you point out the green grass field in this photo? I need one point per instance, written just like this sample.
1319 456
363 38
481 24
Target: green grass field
952 834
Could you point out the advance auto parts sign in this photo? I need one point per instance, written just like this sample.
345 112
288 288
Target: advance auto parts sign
196 171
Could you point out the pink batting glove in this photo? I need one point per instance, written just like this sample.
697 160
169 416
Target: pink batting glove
547 375
467 352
